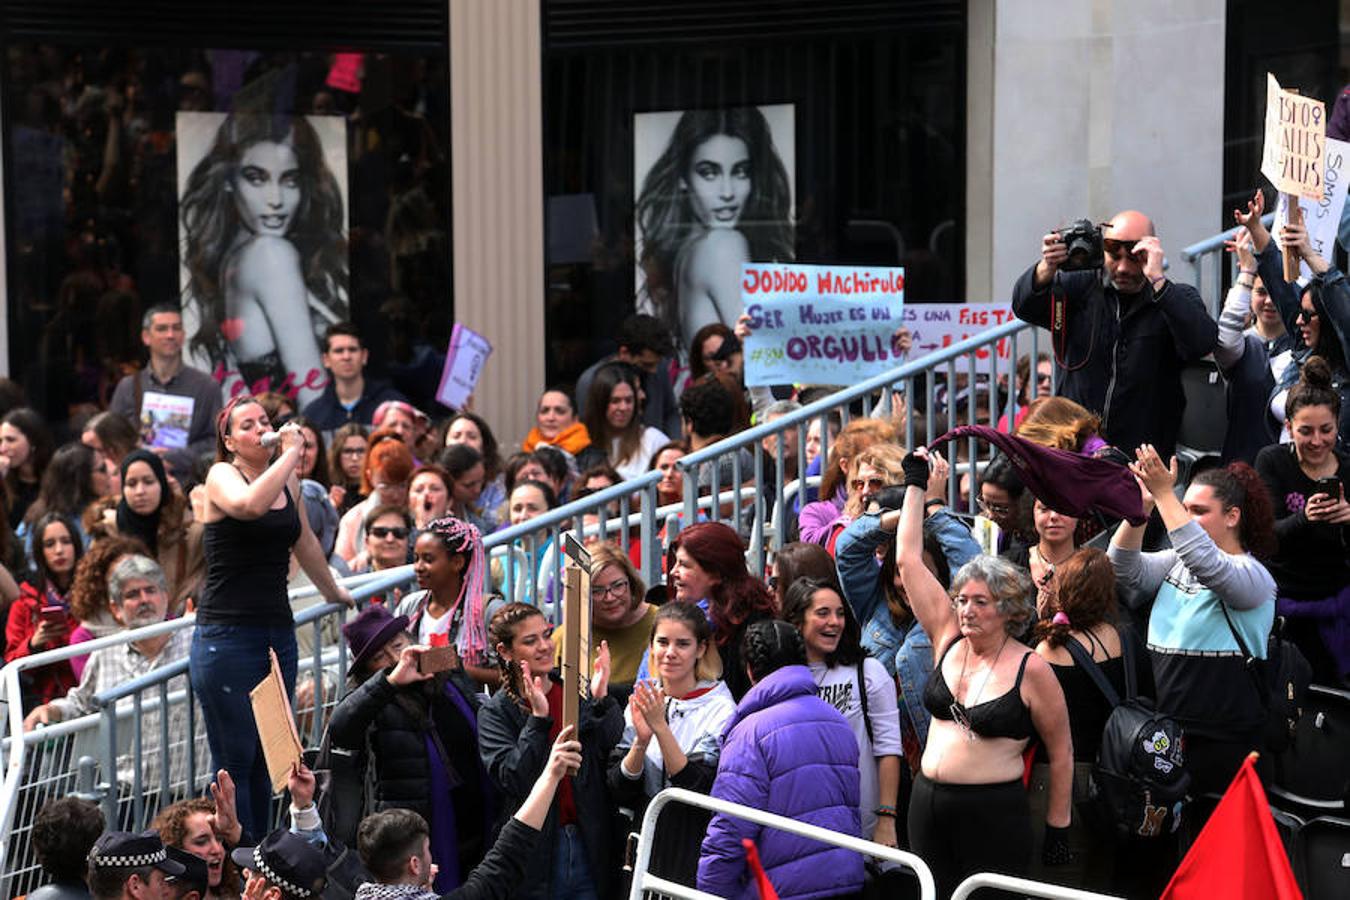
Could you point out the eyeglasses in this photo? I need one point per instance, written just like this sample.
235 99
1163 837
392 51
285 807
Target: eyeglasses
994 509
1118 249
871 484
396 532
352 451
615 588
1305 315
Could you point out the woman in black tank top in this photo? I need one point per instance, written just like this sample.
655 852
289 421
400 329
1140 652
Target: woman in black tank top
253 523
989 695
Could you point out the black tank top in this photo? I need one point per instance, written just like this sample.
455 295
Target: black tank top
1003 716
247 561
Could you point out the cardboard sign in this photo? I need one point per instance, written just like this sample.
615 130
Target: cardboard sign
276 726
464 360
576 627
935 326
1295 142
436 659
820 324
1322 216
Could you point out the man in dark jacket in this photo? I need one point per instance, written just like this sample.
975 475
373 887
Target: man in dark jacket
395 845
349 396
1125 334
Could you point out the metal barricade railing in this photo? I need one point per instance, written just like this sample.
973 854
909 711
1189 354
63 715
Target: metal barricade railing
1207 259
129 748
970 382
1023 886
644 881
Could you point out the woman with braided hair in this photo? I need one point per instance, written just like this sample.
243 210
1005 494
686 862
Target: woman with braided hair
450 567
516 729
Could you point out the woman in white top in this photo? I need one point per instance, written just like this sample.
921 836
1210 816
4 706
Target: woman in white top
859 687
614 420
673 736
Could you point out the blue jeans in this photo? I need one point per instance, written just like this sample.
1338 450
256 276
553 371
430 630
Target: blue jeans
571 867
228 661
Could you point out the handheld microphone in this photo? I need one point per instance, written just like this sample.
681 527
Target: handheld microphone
270 439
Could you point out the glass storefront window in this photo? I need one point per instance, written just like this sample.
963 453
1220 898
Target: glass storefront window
859 136
267 194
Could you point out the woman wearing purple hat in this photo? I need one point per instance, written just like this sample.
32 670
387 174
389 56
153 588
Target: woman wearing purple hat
419 731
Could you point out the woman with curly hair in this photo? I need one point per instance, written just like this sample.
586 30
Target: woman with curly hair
516 728
707 568
193 825
265 252
1206 593
988 696
718 196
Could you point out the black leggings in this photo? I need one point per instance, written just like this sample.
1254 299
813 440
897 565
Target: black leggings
961 829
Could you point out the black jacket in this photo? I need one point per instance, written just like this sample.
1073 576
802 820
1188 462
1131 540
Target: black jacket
680 829
396 722
1124 354
515 747
328 414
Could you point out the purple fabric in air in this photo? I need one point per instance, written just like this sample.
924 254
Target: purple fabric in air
1069 483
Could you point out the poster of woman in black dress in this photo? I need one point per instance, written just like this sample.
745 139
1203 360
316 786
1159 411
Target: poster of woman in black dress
262 226
715 191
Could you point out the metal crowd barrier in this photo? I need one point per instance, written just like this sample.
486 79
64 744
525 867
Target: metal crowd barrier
1207 256
644 880
142 750
958 385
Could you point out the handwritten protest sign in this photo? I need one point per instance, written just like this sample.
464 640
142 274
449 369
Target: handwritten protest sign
820 324
1322 216
938 325
464 361
1295 144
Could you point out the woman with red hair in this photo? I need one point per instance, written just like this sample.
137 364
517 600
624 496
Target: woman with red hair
385 476
707 567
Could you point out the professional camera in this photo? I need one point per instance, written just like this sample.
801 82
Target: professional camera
1083 240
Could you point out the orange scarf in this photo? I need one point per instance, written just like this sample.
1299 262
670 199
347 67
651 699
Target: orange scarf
574 438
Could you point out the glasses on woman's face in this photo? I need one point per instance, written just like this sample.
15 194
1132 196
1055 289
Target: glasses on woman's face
353 451
614 588
1307 315
872 485
994 509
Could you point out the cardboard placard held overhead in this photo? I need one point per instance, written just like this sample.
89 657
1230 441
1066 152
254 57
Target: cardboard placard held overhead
276 725
576 626
1322 218
1294 155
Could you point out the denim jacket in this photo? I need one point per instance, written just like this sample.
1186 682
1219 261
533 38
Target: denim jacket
905 650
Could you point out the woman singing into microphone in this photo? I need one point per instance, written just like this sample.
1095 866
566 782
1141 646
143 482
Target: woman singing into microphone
253 523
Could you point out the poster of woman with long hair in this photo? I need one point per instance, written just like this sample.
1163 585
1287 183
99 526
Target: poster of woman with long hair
262 225
715 191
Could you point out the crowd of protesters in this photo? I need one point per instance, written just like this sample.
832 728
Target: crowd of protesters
906 673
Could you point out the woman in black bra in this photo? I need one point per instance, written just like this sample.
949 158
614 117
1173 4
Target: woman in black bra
253 523
989 695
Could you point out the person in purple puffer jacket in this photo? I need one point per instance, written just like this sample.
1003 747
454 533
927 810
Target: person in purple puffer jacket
785 751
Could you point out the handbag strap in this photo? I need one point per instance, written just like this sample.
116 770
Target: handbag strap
1247 657
1090 668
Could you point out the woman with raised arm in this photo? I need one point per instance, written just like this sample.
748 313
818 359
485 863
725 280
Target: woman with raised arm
253 524
1206 592
988 696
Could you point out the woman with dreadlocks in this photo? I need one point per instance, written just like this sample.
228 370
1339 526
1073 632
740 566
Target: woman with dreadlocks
516 729
449 564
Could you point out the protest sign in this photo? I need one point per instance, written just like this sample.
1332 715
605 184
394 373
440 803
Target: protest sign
1322 216
166 420
820 324
935 326
464 361
1295 142
576 629
276 725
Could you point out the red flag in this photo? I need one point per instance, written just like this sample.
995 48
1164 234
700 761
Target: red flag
762 882
1238 855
